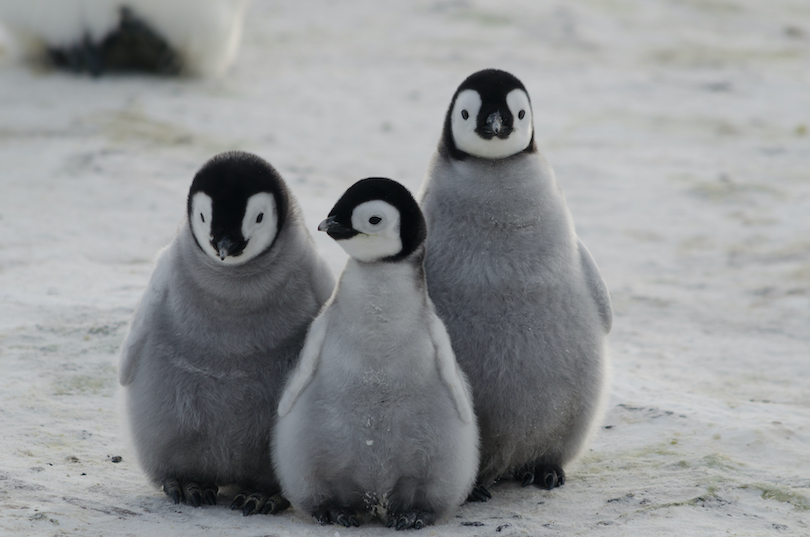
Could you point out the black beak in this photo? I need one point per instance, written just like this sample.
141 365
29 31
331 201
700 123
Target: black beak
335 229
495 122
224 247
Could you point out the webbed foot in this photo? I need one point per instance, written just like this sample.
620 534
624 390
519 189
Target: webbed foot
411 520
547 476
191 492
344 516
253 503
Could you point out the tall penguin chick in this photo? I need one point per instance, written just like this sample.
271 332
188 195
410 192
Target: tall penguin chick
377 417
216 333
523 301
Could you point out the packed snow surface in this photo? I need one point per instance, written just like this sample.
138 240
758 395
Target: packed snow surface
678 129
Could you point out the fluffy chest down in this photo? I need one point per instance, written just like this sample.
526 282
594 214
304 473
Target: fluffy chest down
495 227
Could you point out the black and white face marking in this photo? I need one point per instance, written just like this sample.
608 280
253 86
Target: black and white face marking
235 207
376 219
235 246
374 231
490 117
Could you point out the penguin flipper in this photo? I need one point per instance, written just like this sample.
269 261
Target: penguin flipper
323 282
139 331
449 370
597 286
307 363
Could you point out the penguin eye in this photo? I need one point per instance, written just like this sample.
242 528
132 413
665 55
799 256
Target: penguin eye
202 217
374 220
521 114
465 114
259 218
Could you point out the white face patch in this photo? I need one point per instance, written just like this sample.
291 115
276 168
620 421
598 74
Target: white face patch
259 226
378 223
201 216
463 123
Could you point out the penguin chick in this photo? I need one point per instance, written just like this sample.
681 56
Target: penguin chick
99 36
523 301
377 417
216 333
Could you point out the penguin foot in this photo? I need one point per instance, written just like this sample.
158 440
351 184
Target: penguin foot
275 504
526 475
543 475
411 520
253 503
549 476
336 515
479 493
192 493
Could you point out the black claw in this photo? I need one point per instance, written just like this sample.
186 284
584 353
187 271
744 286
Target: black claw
276 504
321 517
353 521
193 494
210 493
528 479
239 500
550 479
419 524
342 519
172 489
479 494
401 523
390 523
249 507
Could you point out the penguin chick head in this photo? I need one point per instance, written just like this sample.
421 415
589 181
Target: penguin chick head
236 206
377 219
489 117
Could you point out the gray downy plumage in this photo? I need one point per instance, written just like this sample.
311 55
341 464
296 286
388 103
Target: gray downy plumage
377 418
213 339
523 301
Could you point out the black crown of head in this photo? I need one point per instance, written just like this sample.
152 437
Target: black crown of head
413 229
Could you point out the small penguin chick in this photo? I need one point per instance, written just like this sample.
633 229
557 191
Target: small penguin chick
377 417
233 221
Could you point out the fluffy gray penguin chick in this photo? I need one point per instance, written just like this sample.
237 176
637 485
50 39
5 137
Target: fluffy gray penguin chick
216 333
523 301
377 417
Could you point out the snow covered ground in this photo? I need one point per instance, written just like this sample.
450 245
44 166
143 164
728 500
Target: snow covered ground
679 130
